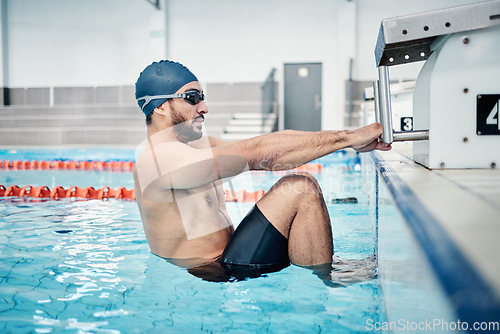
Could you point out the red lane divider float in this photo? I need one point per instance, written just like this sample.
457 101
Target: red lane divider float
119 166
123 166
59 192
72 192
313 167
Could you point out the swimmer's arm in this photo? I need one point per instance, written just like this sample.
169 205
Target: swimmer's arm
184 167
289 149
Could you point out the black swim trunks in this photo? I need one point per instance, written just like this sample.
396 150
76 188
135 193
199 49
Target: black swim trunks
255 248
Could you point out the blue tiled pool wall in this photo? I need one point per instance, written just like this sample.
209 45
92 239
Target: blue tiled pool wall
411 291
463 294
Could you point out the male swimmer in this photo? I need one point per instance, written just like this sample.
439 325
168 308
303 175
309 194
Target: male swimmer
178 180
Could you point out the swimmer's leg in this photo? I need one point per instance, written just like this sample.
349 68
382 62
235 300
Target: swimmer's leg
296 207
345 272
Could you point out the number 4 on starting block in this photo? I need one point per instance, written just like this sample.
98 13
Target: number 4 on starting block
488 116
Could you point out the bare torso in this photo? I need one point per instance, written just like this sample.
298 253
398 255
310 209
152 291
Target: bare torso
189 227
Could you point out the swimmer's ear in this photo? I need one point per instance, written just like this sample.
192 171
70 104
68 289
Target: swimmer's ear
162 109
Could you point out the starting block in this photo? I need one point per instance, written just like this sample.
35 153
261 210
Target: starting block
456 100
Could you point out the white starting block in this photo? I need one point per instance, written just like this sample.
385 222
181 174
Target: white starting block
456 100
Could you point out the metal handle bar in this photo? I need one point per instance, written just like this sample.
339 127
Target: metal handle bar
411 135
383 112
385 104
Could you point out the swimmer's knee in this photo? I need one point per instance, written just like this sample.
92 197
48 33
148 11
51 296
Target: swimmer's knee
301 182
306 175
299 176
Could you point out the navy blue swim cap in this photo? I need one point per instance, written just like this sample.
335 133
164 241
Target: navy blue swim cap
161 78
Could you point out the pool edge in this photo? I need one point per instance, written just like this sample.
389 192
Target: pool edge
472 297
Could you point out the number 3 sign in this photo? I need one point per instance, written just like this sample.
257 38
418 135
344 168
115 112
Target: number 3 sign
406 123
488 117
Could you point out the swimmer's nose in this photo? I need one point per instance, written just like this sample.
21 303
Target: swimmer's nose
202 108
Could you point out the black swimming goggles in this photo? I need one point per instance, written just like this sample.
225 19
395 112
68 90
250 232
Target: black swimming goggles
192 97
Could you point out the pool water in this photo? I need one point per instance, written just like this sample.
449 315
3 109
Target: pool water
84 266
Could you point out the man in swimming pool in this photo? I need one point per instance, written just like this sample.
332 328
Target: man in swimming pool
178 179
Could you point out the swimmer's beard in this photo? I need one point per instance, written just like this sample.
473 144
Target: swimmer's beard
183 129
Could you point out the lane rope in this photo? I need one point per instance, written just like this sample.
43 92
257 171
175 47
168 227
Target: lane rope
72 192
58 192
123 166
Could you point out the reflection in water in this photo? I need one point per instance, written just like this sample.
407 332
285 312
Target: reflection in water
345 272
91 253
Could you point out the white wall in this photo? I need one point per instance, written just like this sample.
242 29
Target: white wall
81 43
229 41
108 42
225 40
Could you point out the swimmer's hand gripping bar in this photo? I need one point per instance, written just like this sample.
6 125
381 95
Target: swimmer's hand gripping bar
383 112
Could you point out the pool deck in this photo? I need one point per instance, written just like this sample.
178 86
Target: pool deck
455 215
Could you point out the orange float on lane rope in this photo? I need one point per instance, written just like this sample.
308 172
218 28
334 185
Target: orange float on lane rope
57 193
38 192
2 190
12 191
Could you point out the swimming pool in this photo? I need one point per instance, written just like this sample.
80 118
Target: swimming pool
84 266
